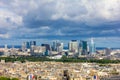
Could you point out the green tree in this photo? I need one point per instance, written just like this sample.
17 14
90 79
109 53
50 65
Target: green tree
4 78
14 79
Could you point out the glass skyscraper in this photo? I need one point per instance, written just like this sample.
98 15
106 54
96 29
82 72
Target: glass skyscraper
92 47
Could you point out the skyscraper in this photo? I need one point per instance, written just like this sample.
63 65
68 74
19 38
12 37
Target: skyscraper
92 47
27 45
24 46
84 48
48 49
32 43
73 46
54 46
107 51
57 46
60 47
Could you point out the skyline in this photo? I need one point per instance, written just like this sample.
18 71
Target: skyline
64 20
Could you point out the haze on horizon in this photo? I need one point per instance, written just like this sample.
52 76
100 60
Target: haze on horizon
47 20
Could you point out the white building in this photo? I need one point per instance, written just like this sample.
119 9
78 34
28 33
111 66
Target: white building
73 46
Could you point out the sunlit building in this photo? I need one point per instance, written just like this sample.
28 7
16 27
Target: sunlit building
92 47
73 46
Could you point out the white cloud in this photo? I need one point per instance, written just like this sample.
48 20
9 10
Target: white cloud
4 35
91 12
45 28
9 19
107 31
88 11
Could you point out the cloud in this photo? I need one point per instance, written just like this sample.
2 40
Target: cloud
4 35
9 19
59 18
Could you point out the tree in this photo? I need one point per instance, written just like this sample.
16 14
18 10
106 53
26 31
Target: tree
14 79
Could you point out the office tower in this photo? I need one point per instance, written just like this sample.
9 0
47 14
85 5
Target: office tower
73 46
92 47
6 53
54 46
24 46
38 50
27 45
57 46
107 51
84 47
48 49
60 47
79 49
32 43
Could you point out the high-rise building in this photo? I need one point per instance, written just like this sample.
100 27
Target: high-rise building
32 43
57 46
54 46
48 49
27 45
107 51
83 47
73 46
38 50
24 46
60 47
92 47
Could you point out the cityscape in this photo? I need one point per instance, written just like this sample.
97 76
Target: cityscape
59 39
54 67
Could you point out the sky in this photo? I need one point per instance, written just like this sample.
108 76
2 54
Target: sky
64 20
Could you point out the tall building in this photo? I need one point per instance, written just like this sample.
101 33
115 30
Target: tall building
24 46
54 46
84 47
38 50
57 46
48 49
92 47
27 45
107 51
32 43
73 46
60 47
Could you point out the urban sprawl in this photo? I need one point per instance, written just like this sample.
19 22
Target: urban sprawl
56 65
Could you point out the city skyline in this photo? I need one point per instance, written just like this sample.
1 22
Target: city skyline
47 20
